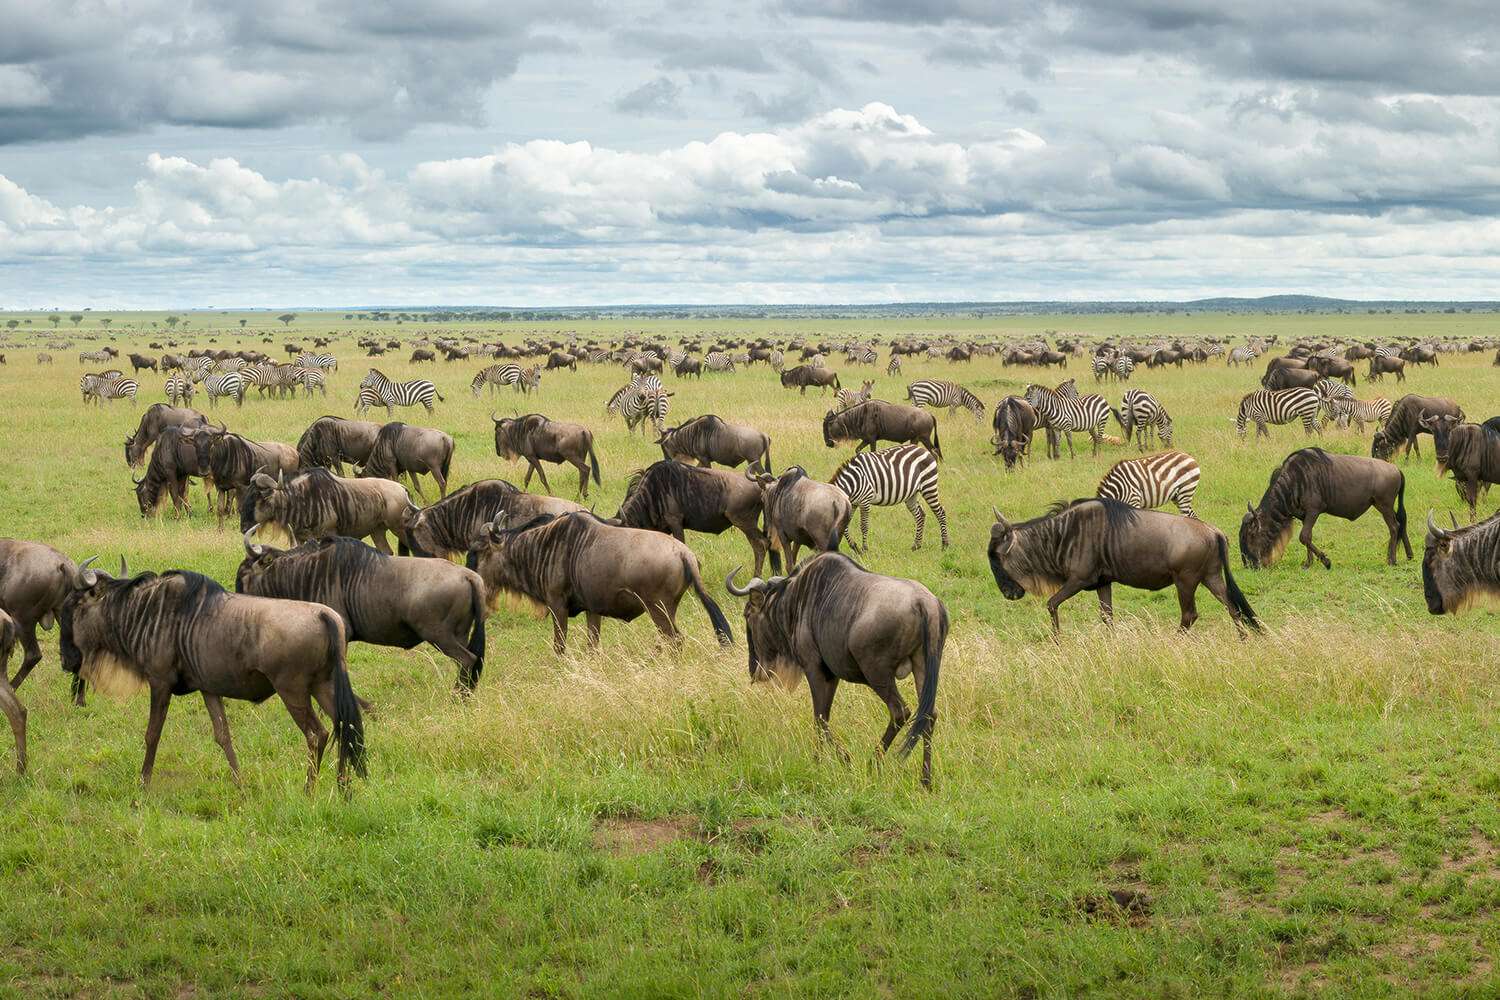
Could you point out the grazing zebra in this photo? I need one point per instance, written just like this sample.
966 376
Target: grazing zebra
1279 406
1142 412
597 357
886 478
95 355
275 377
777 361
636 403
392 394
322 362
513 375
937 393
1055 409
1329 388
1170 477
843 399
118 387
1361 411
312 378
230 384
1101 366
718 361
1241 356
861 355
179 389
894 368
1123 367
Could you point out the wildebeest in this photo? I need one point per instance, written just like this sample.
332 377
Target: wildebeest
233 460
557 359
140 361
181 632
1094 544
447 528
331 441
1014 422
318 503
833 620
800 510
540 439
403 450
671 497
1380 366
420 355
35 580
157 417
575 563
1461 566
14 711
1311 482
1334 368
383 600
1470 451
710 438
874 421
803 376
173 460
1405 424
1290 378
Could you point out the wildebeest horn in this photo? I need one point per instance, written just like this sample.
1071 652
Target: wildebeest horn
136 481
251 547
999 517
124 569
1433 529
85 577
262 481
493 417
729 583
1248 508
1454 518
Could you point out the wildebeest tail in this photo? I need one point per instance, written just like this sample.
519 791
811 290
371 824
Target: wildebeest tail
720 623
348 727
766 457
937 444
836 381
932 653
1236 595
447 461
594 464
476 636
1401 509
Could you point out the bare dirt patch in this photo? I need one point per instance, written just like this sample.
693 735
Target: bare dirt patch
629 836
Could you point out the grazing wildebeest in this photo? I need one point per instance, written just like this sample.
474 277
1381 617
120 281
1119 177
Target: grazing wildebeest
318 503
576 563
689 366
1461 566
1334 368
1290 378
1014 422
140 361
801 510
403 450
805 375
540 439
1470 451
1420 354
874 421
233 460
1094 544
420 355
447 528
330 441
1311 482
833 620
671 497
709 439
181 632
173 460
1405 424
1380 366
157 417
557 359
383 600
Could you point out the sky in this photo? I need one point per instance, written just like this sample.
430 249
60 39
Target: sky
180 154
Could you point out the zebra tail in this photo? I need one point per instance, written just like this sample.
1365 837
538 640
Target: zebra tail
1236 596
927 698
1120 420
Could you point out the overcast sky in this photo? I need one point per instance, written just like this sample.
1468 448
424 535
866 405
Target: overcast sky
171 153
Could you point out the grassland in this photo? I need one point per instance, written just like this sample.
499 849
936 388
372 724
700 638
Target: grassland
1311 810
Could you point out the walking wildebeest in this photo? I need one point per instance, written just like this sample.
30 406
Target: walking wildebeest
1290 378
1311 482
318 503
1014 421
181 632
421 355
575 563
832 620
402 449
331 441
157 417
874 421
557 359
1334 368
1470 451
540 439
1093 544
1380 366
383 600
805 375
140 361
709 439
1461 566
800 510
9 704
35 580
447 528
1405 424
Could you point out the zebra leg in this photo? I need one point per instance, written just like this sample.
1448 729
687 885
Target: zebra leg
919 516
864 528
942 515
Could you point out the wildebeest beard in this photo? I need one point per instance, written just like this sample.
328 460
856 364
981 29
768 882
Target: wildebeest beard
382 462
531 557
695 437
1466 574
1303 470
1034 560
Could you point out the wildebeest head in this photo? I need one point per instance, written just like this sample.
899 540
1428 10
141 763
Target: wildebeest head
1002 545
1012 450
828 419
258 560
89 646
1440 426
1261 540
1382 445
1451 579
264 500
769 655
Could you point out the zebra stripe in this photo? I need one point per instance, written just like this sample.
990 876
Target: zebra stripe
1241 355
1361 411
845 398
1056 410
1142 412
231 384
179 388
718 361
1278 406
418 390
513 375
894 368
938 393
886 478
322 362
312 378
861 356
1101 366
107 385
1170 477
645 380
1123 367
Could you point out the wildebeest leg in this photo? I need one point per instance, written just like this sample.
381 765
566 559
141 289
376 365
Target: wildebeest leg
161 698
1388 514
15 712
665 620
791 555
1067 590
1106 603
215 707
1187 599
900 714
378 537
759 543
537 466
30 660
1308 520
824 685
919 516
416 484
298 704
583 478
559 628
592 621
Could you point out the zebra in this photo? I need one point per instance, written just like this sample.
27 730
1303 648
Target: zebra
1142 412
1055 409
597 357
894 368
521 379
391 394
322 362
312 378
843 399
179 389
1123 366
199 366
1170 477
1279 406
1241 356
937 393
777 361
1101 366
636 403
117 388
1376 411
886 478
231 384
645 381
861 356
86 356
270 375
718 361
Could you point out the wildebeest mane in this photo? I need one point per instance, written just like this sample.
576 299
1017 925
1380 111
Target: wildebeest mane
454 519
383 462
697 493
320 444
1117 515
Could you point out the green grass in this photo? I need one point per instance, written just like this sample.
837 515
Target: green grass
1314 809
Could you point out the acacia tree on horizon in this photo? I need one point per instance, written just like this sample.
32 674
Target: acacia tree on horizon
286 318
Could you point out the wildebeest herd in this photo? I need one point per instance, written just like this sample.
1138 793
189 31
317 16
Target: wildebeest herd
285 627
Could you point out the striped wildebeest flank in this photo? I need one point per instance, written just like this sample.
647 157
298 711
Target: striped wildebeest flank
1093 544
14 711
181 632
833 620
35 580
1361 411
1168 477
685 366
331 441
886 478
557 359
178 388
670 497
1470 451
142 361
1063 414
1461 566
874 421
174 459
1334 368
710 438
383 600
157 418
843 399
1404 425
447 528
1381 365
1143 415
938 393
538 439
317 503
403 450
575 563
417 391
802 376
1014 422
802 511
1311 482
232 461
419 355
1278 406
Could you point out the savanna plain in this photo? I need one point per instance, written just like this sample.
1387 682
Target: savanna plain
1312 809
